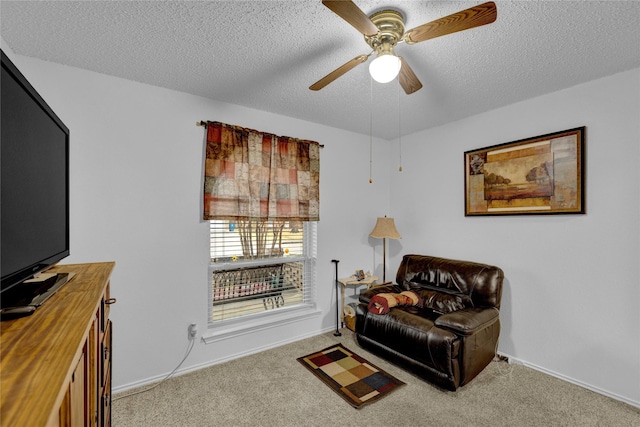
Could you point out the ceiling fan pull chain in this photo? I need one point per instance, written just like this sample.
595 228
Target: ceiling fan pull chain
399 128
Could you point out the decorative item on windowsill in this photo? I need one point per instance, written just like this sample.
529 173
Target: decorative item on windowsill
385 227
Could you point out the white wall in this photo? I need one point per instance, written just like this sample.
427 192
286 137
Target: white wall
570 303
136 165
571 289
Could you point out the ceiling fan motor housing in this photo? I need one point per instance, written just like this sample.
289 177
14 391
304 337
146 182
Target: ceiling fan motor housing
390 24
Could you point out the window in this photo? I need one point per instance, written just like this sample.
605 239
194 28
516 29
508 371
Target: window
261 196
260 267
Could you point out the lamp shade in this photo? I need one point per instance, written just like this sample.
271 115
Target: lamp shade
385 228
384 68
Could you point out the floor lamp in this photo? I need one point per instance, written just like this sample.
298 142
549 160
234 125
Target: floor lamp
385 227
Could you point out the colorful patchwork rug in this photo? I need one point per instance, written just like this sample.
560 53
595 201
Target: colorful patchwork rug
353 378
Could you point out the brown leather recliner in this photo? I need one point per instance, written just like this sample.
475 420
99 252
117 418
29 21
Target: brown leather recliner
453 336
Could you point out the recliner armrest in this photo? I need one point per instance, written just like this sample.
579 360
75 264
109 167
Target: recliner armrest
468 321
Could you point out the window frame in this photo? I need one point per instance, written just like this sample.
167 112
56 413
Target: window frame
223 329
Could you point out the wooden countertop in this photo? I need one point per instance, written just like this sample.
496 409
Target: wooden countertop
37 352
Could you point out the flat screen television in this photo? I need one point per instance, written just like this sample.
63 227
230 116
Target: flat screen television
34 179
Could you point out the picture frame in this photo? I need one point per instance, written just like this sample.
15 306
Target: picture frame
539 175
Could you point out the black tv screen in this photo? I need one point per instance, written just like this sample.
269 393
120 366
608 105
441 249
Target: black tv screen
34 205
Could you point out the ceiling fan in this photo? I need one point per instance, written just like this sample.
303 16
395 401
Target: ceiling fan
383 30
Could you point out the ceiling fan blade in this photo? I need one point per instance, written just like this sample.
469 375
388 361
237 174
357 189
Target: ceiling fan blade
347 10
476 16
338 72
408 79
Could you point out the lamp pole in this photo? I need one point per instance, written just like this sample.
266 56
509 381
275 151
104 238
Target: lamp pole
384 259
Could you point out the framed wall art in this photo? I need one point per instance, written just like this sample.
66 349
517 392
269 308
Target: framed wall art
539 175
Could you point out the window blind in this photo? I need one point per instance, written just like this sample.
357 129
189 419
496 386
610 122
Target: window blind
259 268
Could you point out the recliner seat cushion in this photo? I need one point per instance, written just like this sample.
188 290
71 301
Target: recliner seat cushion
413 333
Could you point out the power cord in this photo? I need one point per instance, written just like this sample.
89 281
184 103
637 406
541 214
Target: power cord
189 348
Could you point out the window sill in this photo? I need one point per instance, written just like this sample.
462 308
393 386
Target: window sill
235 265
221 332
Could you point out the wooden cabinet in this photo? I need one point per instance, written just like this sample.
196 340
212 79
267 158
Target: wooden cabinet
55 365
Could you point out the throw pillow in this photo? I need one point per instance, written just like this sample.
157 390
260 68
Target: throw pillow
383 302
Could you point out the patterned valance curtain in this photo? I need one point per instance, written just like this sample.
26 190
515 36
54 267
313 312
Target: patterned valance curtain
259 176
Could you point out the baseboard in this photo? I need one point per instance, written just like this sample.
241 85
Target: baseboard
598 390
152 380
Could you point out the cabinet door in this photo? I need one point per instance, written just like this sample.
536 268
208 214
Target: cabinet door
106 375
77 394
106 404
94 380
106 354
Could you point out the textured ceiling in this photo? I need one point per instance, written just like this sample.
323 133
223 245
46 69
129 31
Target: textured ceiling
265 54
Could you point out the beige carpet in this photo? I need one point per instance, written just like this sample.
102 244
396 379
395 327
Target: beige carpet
273 389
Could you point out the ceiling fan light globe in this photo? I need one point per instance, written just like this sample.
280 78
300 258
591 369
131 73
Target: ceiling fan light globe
384 68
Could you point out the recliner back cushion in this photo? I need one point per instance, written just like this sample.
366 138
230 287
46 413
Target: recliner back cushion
442 302
476 284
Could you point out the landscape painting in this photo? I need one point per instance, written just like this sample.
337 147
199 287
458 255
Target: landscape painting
537 175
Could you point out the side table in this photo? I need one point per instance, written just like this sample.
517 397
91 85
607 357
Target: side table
370 281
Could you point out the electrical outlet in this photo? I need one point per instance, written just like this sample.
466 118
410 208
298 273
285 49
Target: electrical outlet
192 331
